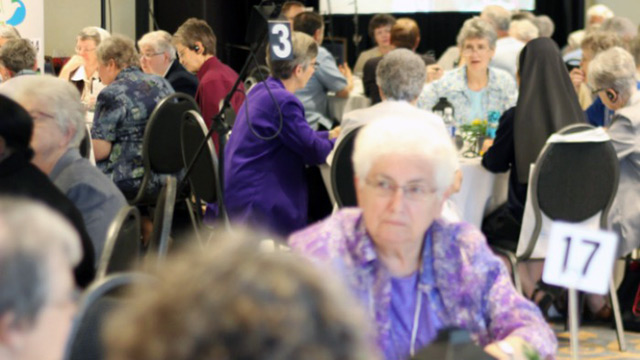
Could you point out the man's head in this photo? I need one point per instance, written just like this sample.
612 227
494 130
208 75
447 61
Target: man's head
16 128
291 8
405 34
58 115
195 42
401 75
498 17
16 55
310 23
156 52
36 283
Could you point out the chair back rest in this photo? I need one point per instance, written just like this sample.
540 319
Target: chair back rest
163 218
203 179
123 245
161 143
85 144
572 182
344 191
97 302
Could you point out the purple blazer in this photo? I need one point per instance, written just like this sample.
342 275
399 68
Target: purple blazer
474 285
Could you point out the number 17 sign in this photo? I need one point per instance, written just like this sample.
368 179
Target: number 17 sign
580 258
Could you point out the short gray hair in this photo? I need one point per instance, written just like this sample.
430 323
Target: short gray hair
17 55
599 10
498 16
304 50
545 25
401 75
160 41
477 28
622 26
523 30
31 234
9 32
97 34
53 96
406 136
613 69
121 50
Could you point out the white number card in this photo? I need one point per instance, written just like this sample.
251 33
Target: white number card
580 258
280 44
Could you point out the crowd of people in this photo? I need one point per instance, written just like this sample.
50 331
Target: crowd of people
379 280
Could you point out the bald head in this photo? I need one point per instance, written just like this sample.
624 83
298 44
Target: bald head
405 34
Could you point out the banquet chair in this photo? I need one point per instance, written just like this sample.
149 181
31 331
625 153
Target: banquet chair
204 180
344 191
160 239
123 245
161 142
96 303
574 182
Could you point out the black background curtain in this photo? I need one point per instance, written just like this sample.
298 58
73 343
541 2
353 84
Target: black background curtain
229 20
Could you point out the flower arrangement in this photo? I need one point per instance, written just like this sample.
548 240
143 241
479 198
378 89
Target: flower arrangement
473 135
476 128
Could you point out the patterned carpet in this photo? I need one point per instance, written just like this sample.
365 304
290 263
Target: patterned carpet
598 342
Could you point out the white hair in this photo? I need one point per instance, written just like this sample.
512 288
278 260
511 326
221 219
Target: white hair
622 26
613 69
523 30
477 28
31 235
9 32
545 25
498 16
160 41
53 96
600 11
401 74
406 136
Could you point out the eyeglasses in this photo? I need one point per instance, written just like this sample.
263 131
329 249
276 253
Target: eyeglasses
80 50
414 191
150 55
596 91
470 50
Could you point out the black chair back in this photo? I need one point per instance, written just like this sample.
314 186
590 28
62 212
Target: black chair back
123 245
85 144
97 302
344 191
163 219
161 142
572 182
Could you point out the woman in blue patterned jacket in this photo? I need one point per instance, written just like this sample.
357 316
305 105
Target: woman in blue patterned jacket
474 88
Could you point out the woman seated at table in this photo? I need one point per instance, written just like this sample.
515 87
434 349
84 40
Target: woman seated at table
546 104
122 111
473 89
380 31
264 163
612 76
82 68
415 272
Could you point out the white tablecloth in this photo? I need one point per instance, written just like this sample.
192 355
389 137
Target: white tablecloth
481 191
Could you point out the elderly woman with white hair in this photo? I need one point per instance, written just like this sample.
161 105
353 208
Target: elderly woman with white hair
415 272
474 89
158 57
612 76
82 68
59 127
523 30
121 114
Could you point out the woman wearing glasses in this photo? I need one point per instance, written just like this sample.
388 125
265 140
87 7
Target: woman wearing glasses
474 89
414 272
82 68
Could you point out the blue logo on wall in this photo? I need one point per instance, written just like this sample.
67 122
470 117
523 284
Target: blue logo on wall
20 14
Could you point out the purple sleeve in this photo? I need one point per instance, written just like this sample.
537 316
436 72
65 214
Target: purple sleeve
298 136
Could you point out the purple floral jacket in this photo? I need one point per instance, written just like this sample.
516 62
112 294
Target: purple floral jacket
474 285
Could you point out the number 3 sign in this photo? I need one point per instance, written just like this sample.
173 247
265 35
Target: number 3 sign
280 44
580 258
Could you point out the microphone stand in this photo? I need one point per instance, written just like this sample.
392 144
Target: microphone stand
220 126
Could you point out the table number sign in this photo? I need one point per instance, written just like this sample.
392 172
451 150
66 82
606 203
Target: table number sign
280 44
580 258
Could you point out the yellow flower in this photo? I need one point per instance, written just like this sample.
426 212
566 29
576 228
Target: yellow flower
476 122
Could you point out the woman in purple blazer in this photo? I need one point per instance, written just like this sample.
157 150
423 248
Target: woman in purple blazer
270 145
414 272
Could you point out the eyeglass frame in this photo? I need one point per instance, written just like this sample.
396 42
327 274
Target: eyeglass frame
392 187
